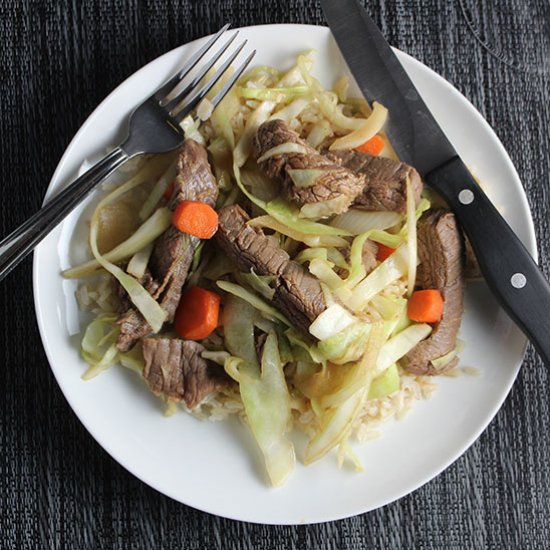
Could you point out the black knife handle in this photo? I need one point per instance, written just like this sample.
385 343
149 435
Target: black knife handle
509 269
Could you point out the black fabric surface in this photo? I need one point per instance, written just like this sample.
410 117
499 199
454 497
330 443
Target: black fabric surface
58 488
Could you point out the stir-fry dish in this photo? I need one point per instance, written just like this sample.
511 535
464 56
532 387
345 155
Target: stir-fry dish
283 266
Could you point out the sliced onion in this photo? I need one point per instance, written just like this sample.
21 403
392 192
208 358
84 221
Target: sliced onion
369 129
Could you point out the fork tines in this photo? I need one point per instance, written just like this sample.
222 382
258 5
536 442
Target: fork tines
178 98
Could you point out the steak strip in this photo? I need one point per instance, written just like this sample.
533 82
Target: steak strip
173 251
385 180
176 369
298 294
440 252
334 182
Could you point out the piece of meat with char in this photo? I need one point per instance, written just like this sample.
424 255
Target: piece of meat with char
176 369
173 251
298 294
333 182
440 251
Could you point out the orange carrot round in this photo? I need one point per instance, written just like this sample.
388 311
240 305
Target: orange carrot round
195 218
383 252
197 313
425 306
372 146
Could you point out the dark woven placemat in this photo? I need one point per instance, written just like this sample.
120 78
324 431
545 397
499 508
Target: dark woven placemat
58 488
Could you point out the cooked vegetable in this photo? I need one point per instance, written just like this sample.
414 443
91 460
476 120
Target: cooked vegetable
145 234
144 302
196 218
425 306
319 319
386 273
267 404
197 313
384 252
360 221
366 131
138 263
372 146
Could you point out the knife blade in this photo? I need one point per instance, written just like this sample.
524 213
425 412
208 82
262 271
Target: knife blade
508 268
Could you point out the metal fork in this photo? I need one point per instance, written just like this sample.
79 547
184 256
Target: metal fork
153 127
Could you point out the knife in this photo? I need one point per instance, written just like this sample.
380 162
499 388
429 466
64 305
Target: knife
508 268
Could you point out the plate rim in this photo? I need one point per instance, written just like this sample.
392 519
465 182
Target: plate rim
530 243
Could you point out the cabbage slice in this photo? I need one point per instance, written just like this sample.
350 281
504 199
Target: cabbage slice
144 302
397 346
331 321
360 221
253 300
98 347
386 384
391 269
266 402
152 228
238 328
292 78
306 238
366 131
346 345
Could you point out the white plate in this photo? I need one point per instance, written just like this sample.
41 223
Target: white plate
215 467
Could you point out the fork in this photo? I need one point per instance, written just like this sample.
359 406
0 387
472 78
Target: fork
153 127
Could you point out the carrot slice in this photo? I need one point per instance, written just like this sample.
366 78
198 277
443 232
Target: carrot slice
167 195
425 306
372 146
383 252
195 218
197 313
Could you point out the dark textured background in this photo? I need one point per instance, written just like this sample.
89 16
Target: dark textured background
58 488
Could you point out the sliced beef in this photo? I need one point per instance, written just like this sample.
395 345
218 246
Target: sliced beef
175 368
440 251
298 294
334 182
173 251
385 183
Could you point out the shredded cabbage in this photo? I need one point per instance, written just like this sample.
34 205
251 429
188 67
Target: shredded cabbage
386 384
331 321
277 95
399 345
391 269
238 328
144 302
346 345
253 300
259 283
297 235
152 228
360 221
267 406
264 110
138 262
322 269
369 129
98 346
158 190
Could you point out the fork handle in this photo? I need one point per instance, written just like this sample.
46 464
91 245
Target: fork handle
20 242
508 268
